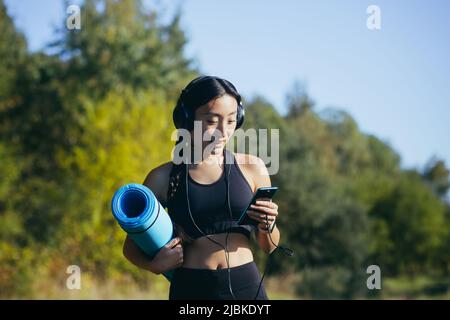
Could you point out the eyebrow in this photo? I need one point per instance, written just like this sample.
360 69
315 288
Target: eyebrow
216 114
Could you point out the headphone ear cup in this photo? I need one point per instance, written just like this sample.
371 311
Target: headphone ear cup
188 118
182 118
240 116
178 117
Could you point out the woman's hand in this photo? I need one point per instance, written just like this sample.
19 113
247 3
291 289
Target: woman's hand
265 211
169 257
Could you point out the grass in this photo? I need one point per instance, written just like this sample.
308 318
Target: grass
123 289
278 288
419 287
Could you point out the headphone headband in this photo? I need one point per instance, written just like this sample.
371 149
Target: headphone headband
197 80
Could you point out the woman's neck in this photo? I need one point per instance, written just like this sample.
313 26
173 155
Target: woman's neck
209 159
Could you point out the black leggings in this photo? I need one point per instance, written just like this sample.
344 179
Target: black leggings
207 284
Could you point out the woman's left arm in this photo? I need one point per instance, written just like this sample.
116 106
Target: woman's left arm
265 211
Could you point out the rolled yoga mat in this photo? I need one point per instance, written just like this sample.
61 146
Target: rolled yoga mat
140 214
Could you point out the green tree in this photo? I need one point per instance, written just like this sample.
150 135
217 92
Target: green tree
409 226
317 216
123 46
437 174
12 53
74 127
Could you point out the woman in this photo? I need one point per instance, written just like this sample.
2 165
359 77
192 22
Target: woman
211 254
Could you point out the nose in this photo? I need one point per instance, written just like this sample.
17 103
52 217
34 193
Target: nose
222 128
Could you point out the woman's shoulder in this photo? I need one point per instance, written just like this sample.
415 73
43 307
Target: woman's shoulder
249 161
160 173
158 180
253 167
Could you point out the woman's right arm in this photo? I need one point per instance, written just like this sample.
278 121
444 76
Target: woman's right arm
169 257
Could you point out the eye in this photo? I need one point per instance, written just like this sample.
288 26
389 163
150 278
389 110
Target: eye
231 121
212 122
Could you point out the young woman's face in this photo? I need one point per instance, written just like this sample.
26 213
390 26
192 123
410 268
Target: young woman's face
218 119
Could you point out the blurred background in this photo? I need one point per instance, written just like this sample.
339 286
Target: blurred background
363 118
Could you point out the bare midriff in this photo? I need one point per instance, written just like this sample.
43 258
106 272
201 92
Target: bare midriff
202 253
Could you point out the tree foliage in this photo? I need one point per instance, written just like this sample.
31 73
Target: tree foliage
77 124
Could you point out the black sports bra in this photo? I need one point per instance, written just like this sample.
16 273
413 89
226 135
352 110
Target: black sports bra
208 202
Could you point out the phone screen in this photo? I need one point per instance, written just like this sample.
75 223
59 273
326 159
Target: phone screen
263 192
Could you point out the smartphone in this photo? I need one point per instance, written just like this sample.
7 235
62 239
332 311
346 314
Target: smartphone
263 192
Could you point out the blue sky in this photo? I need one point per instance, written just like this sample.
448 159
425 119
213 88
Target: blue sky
395 81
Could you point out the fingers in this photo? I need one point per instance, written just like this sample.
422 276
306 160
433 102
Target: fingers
178 249
176 252
172 243
179 253
179 263
175 257
265 210
260 217
266 204
171 256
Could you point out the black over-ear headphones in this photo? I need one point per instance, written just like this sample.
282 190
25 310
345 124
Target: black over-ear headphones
183 117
